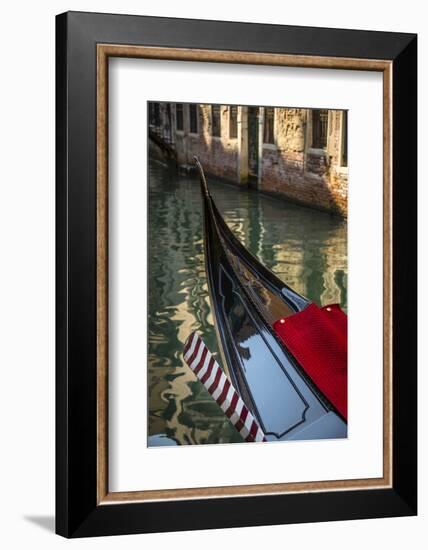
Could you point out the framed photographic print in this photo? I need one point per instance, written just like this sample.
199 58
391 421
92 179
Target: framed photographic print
236 274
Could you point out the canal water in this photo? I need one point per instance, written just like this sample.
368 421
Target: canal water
306 248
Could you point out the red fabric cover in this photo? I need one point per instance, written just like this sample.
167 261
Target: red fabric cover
317 338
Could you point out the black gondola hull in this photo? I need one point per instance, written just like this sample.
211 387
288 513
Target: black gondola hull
272 384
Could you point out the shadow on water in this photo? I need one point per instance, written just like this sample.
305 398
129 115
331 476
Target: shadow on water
307 249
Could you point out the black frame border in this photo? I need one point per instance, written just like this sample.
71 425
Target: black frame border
77 512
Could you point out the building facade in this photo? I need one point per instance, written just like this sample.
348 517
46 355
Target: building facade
299 154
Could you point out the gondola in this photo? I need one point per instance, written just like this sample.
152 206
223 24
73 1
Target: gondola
247 301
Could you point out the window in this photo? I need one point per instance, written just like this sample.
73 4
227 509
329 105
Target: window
344 159
193 116
233 122
268 136
215 118
319 128
179 116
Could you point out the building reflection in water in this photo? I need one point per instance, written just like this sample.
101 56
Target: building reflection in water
307 249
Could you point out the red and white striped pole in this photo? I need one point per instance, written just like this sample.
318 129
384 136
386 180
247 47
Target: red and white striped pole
206 368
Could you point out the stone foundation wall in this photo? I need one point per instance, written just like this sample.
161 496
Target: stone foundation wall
284 173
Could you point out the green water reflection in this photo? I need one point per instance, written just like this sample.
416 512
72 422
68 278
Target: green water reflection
307 249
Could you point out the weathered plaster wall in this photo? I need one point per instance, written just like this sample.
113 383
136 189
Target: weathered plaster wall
289 168
301 174
218 155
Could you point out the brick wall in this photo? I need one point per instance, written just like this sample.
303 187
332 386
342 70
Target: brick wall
290 167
